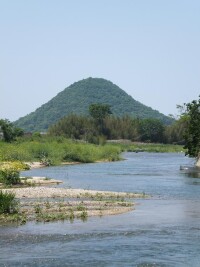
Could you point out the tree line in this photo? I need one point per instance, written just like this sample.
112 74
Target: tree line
102 125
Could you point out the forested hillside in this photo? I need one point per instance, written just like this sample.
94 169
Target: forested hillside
77 98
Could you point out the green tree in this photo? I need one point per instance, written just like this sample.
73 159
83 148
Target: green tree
151 130
174 133
10 132
124 127
192 132
99 111
75 127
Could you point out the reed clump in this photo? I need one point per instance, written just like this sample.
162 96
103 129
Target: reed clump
9 176
8 203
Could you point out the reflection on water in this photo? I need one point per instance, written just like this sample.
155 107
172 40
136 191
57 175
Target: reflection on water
162 231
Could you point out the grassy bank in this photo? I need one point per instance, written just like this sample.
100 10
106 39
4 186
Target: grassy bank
149 147
53 151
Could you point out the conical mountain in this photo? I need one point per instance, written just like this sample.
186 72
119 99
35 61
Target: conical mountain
79 96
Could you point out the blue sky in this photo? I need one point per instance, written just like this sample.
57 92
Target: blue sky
149 48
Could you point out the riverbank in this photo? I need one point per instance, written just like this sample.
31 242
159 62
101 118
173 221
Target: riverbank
54 151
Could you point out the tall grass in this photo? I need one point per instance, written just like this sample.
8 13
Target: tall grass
8 203
54 150
57 150
9 176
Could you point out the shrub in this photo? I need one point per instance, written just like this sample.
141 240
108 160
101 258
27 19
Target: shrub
9 176
15 165
8 203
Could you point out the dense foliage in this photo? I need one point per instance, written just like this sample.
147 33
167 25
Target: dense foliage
192 133
151 130
54 150
9 131
174 133
8 203
79 96
9 176
126 127
99 112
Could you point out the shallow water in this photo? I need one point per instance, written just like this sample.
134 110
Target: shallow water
162 231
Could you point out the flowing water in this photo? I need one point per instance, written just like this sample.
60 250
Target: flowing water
162 231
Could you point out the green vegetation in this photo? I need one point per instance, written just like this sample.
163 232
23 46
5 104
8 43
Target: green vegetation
114 128
77 98
67 213
10 172
99 112
9 176
54 150
192 133
8 203
151 130
174 133
17 218
9 131
145 147
59 149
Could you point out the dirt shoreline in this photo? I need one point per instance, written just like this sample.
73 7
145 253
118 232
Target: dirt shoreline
37 164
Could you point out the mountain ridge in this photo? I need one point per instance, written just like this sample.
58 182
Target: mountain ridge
76 99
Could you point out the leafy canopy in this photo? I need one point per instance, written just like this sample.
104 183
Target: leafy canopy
192 133
151 130
10 132
99 111
112 128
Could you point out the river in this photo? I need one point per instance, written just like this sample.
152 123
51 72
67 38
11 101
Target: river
162 231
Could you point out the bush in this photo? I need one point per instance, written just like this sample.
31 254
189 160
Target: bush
8 203
9 176
15 165
14 152
78 153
